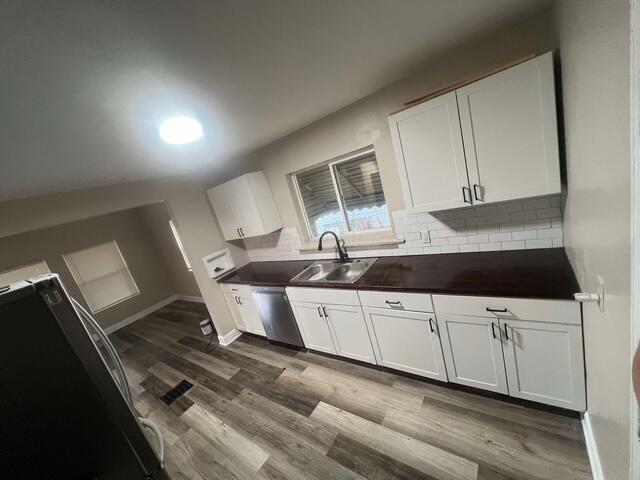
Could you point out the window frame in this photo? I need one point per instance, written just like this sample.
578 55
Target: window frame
178 240
338 191
80 285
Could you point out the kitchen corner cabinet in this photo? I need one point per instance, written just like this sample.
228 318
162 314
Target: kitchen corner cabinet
530 349
243 309
493 140
245 207
544 362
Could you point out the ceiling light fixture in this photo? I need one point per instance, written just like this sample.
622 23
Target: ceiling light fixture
180 130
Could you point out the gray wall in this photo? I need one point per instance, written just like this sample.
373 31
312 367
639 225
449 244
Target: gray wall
156 218
186 202
133 238
594 53
365 122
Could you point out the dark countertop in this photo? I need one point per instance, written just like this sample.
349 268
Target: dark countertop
543 273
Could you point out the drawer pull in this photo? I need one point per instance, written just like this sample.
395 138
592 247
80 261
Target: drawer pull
497 310
431 326
393 304
319 312
506 333
493 330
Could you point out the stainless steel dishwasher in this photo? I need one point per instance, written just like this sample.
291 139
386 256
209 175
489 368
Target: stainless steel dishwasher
277 316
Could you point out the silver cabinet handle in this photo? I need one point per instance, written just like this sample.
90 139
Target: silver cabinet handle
235 297
324 309
493 330
506 333
431 325
319 312
241 232
466 190
240 301
238 230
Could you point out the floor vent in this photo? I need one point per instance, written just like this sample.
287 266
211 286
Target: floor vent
176 392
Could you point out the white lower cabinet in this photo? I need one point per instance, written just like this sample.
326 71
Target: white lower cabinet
530 349
407 341
473 351
243 309
544 362
350 332
313 326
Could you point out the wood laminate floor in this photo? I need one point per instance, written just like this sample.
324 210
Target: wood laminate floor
259 411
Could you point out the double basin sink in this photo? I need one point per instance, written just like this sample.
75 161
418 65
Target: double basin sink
331 271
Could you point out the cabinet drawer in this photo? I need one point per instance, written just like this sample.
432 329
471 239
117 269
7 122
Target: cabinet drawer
236 288
329 296
555 311
417 302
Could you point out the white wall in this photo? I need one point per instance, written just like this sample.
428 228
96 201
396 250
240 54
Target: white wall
594 54
185 199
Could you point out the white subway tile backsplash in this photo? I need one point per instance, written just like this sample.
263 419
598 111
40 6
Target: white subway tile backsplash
520 224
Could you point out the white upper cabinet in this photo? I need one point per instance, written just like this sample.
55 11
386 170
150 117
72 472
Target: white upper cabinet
245 207
493 140
510 132
428 147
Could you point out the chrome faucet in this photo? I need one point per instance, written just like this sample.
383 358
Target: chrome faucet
343 257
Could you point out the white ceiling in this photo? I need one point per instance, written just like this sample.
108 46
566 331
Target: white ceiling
85 83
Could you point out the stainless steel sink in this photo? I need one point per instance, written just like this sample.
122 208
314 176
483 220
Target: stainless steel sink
330 271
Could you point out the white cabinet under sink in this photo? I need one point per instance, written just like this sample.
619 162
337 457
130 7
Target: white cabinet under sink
331 321
493 140
245 207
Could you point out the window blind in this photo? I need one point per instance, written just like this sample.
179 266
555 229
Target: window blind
102 275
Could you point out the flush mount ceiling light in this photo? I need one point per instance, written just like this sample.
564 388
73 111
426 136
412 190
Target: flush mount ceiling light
180 130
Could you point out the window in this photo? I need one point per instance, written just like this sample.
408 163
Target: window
179 242
344 195
23 273
102 275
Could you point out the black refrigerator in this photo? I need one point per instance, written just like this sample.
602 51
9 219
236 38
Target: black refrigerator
62 413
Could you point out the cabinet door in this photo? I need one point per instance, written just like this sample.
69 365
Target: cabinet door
405 341
234 308
473 351
428 148
313 326
510 132
544 362
350 332
225 211
250 315
248 215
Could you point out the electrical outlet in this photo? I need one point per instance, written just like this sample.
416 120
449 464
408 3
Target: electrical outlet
601 293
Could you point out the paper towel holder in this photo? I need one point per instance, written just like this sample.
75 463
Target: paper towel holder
218 263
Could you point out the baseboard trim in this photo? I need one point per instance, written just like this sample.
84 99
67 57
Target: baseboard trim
592 447
229 337
190 298
141 314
